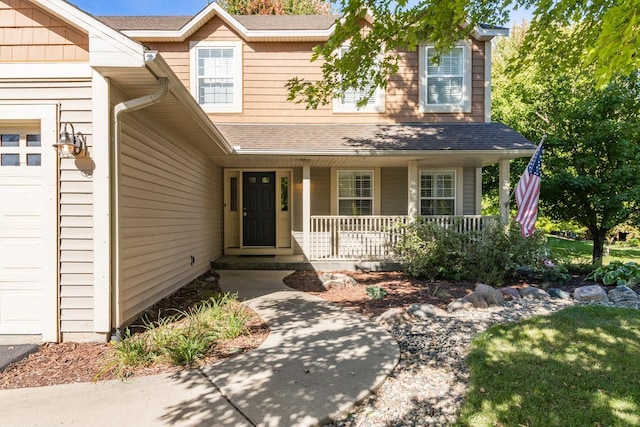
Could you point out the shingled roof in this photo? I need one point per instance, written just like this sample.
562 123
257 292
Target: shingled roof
287 22
250 22
163 23
386 138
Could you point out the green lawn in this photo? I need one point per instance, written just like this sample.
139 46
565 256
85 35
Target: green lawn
577 367
581 250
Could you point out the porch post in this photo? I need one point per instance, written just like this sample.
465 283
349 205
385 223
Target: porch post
413 178
503 198
306 206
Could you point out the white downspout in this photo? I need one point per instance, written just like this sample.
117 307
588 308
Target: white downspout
124 107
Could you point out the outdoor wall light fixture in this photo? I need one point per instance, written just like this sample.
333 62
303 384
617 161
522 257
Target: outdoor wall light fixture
70 144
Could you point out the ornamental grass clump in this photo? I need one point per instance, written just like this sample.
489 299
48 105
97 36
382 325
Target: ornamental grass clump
182 338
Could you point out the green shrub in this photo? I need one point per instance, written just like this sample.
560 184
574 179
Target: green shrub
492 256
631 243
427 250
376 292
617 273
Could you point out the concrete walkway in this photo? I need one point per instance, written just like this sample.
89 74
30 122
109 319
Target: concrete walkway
316 363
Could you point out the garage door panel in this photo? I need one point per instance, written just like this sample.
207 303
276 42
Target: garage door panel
21 229
21 201
10 279
21 312
21 254
21 238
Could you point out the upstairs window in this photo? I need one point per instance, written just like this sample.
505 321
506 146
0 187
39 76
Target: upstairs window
437 193
216 76
445 84
347 102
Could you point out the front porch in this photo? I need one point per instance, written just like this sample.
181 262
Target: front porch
348 243
333 194
372 238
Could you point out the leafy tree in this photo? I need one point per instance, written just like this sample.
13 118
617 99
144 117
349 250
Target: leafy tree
606 34
276 7
591 172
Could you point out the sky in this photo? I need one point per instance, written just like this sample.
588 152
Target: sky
180 7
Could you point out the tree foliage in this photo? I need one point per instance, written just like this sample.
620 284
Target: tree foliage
276 7
605 36
591 172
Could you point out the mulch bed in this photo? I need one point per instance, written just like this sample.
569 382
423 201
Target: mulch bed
69 362
80 362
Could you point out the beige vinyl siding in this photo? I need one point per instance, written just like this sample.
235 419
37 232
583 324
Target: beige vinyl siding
171 210
76 198
27 34
469 191
267 66
394 191
321 191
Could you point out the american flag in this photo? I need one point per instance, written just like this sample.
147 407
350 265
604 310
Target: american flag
528 193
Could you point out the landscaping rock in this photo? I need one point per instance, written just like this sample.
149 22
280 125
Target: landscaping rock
558 293
393 315
534 293
337 279
510 294
459 304
477 300
592 293
424 311
624 295
490 294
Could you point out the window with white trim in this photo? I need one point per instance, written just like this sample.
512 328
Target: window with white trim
216 76
355 193
437 193
445 85
347 102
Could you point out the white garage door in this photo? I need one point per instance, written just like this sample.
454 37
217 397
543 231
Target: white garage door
21 229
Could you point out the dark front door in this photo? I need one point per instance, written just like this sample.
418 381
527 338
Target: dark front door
259 210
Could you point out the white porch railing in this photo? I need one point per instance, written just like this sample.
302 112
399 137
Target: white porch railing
341 238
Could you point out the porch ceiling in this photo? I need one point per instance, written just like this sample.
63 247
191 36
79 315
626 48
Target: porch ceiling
433 145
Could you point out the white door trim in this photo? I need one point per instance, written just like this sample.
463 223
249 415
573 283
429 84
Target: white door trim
47 115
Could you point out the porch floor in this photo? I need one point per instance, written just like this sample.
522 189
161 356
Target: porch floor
296 262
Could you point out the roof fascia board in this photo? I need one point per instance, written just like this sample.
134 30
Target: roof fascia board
482 34
86 23
384 153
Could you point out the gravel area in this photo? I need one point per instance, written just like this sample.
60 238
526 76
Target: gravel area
428 385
